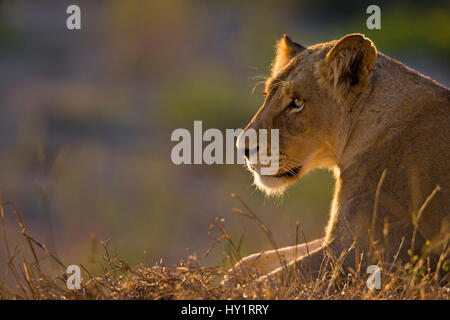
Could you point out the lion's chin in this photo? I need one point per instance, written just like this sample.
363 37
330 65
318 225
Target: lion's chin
272 185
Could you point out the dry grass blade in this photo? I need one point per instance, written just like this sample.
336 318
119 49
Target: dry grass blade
11 265
190 281
250 214
45 249
375 209
416 217
24 230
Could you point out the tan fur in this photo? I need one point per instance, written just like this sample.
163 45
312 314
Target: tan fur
285 50
364 113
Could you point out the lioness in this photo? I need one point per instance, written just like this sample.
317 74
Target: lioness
382 128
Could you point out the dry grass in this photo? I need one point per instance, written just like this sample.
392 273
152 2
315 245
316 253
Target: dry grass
189 280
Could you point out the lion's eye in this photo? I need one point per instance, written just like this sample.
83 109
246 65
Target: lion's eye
297 104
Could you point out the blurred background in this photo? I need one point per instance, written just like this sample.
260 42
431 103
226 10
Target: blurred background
86 116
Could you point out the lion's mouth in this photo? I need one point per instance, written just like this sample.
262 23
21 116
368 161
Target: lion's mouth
291 173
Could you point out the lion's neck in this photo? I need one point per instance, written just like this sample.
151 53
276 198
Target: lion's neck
392 105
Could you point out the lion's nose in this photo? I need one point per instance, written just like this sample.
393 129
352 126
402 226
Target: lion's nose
247 140
249 152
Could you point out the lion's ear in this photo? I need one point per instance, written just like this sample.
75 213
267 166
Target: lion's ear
349 64
286 50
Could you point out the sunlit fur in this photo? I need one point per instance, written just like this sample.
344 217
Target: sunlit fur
364 114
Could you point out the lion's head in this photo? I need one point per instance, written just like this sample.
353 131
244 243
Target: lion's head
306 98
